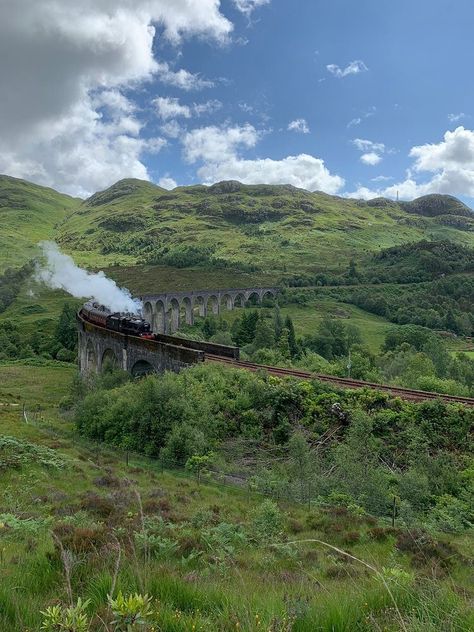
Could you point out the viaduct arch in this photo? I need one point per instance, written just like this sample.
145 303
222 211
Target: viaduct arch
166 312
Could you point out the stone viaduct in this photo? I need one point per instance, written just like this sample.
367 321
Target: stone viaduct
98 346
166 312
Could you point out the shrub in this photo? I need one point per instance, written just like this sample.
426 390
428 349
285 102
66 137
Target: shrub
267 521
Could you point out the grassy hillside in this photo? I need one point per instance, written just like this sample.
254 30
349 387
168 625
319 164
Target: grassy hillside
250 228
28 214
76 521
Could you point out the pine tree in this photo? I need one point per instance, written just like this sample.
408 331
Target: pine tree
283 344
66 331
277 321
294 349
264 336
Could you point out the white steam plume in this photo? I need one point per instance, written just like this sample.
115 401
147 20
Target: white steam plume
60 272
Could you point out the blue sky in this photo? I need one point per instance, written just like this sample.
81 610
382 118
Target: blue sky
355 98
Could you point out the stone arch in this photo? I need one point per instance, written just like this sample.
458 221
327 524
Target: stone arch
91 358
239 300
109 359
199 306
212 304
142 368
268 298
187 310
173 315
159 318
148 313
227 302
253 298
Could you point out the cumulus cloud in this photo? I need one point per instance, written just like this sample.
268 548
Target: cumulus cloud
64 120
299 125
354 68
181 78
167 183
171 108
371 152
371 158
219 151
449 166
247 7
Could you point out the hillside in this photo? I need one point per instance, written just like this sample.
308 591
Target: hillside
28 214
245 228
250 228
78 520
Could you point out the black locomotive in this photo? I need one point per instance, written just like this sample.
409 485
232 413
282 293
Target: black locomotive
123 323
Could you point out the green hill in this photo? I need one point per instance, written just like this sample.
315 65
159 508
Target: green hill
244 228
276 228
28 214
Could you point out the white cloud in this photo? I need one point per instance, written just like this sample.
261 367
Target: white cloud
171 108
172 129
64 120
450 164
382 179
299 125
371 158
209 107
354 68
371 152
248 6
363 144
181 78
167 183
455 118
217 148
359 119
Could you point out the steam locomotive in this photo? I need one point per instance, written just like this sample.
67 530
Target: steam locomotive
123 323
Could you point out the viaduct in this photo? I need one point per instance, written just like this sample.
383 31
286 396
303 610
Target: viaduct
166 312
99 346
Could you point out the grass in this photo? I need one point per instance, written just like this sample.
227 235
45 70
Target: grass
28 214
307 587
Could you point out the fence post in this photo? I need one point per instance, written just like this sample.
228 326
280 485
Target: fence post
126 458
394 510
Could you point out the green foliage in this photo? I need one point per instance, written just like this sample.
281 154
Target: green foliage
15 453
130 611
67 619
66 329
267 522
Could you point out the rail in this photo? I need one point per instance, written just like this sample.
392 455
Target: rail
397 391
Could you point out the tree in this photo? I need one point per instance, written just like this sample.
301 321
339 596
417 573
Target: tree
264 336
294 349
300 462
199 465
209 327
284 344
66 330
246 330
277 321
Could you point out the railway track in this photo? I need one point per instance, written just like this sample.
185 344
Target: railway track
396 391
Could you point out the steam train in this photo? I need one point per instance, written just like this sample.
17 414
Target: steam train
123 323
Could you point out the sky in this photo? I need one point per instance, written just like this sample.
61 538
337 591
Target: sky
362 99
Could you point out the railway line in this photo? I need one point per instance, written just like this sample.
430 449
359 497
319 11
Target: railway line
223 354
397 391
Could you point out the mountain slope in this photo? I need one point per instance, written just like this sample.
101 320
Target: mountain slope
276 228
28 214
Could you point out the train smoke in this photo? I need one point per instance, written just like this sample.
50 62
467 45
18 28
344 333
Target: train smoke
59 271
